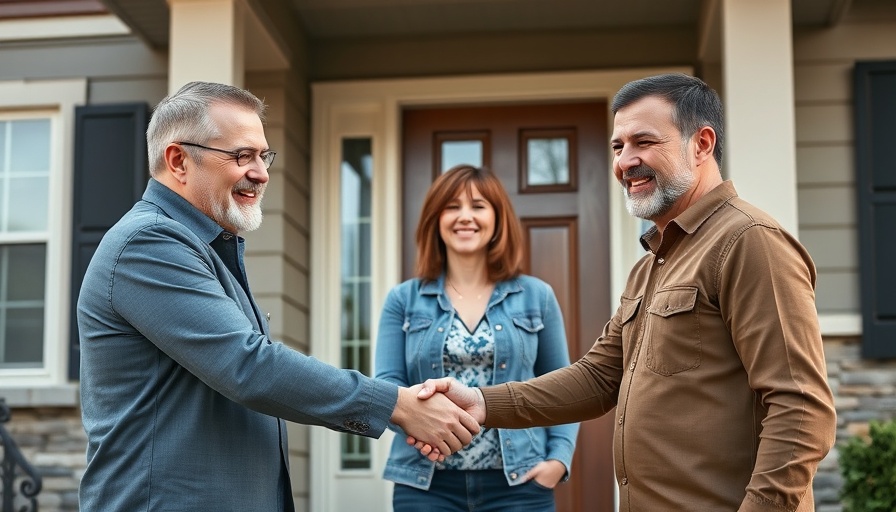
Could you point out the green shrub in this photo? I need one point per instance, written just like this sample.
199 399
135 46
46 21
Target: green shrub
869 470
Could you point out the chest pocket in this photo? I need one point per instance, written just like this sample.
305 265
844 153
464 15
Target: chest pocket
528 328
673 336
415 324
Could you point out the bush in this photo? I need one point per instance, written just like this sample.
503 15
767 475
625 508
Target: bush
869 470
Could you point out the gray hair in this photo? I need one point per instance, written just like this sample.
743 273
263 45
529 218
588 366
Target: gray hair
183 116
694 104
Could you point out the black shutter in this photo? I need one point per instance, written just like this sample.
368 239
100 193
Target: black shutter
110 174
875 135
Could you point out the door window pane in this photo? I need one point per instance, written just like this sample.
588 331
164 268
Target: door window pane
356 174
452 148
548 161
457 152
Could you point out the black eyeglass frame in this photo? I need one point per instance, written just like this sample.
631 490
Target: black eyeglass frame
244 154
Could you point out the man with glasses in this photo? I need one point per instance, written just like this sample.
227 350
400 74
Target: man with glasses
183 392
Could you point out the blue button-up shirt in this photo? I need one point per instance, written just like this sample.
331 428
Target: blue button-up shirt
182 389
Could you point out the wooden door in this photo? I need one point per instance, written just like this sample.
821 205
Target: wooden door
553 161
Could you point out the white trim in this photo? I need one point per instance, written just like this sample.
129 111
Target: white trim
373 108
59 98
30 29
840 325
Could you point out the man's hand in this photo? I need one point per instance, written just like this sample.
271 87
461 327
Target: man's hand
469 399
436 421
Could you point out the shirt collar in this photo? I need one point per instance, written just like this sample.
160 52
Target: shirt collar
694 216
181 210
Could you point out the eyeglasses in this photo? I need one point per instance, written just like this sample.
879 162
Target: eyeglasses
242 156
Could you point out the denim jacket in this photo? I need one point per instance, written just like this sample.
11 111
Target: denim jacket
530 340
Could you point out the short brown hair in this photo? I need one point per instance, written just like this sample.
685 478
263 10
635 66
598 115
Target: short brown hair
505 257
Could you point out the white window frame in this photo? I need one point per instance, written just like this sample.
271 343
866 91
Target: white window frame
55 99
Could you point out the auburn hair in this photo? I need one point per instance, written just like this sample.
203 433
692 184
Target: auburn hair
505 256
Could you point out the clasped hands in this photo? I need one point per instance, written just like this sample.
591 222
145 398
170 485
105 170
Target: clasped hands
467 405
440 416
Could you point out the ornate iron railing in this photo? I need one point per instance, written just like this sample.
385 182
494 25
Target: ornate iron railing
28 479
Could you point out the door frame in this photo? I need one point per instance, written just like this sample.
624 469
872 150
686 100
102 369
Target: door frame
372 108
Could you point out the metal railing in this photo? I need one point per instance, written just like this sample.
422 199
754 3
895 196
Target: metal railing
14 469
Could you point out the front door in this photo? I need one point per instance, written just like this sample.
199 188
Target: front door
553 161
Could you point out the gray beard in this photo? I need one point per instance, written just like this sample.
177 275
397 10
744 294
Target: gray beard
667 191
242 218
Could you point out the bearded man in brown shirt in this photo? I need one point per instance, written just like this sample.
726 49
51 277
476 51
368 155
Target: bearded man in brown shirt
713 359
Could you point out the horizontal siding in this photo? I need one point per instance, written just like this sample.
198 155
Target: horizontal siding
832 207
837 292
826 165
832 249
823 65
122 57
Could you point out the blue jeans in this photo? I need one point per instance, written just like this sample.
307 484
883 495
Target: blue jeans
473 491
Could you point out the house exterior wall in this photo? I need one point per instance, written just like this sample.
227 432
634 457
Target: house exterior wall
278 254
44 422
123 69
823 64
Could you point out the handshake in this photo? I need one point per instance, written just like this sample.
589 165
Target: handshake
440 416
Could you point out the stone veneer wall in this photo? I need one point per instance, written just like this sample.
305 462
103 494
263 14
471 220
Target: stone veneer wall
863 391
53 440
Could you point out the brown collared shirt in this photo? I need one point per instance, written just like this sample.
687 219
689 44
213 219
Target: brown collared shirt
714 362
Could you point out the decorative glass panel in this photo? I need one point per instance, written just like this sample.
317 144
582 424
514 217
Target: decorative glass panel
22 305
457 152
547 160
356 173
453 148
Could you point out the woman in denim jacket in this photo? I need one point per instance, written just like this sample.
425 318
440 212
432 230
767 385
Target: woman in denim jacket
471 315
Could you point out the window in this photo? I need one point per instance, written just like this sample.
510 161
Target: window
355 198
36 136
24 193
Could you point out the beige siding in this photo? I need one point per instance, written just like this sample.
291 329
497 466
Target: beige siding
823 63
278 255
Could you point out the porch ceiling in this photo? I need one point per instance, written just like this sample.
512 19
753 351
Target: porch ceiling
352 19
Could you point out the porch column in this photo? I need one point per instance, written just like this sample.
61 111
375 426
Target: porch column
760 140
206 42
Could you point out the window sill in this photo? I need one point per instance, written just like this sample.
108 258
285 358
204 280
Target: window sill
65 395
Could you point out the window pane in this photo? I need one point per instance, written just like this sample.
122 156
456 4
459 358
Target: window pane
4 136
24 338
23 274
548 161
456 152
22 270
30 145
28 204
